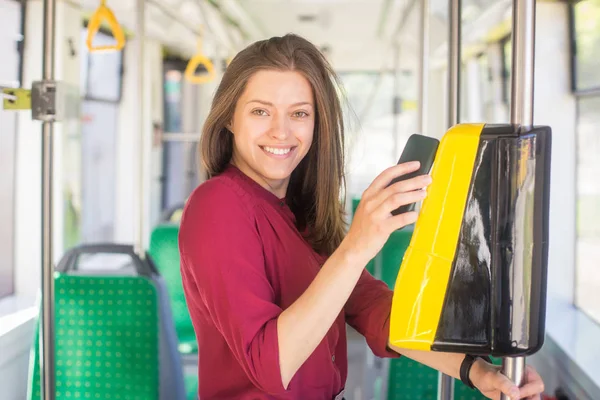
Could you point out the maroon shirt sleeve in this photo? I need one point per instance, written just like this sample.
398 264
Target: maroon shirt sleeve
223 258
368 311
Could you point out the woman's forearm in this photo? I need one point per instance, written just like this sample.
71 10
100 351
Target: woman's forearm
303 325
448 363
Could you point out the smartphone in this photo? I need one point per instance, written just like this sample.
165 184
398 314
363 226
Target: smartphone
418 148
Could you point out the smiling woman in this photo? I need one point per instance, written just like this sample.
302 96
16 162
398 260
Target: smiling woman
270 274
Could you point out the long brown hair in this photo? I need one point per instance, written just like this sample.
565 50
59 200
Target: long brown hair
314 192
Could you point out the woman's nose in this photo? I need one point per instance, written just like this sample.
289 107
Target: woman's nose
280 128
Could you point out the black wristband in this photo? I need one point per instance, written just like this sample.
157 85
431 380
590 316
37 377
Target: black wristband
465 368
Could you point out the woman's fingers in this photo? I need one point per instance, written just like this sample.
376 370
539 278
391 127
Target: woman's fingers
534 385
504 385
388 175
372 223
414 184
400 199
400 221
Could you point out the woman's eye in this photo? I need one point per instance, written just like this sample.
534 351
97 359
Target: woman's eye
300 114
259 112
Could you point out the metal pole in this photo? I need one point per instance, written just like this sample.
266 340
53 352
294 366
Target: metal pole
396 100
523 57
423 66
514 369
446 382
141 30
454 61
521 113
47 323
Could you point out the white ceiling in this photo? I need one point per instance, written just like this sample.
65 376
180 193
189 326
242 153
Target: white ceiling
358 33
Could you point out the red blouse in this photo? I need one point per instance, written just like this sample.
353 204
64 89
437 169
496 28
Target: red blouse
243 262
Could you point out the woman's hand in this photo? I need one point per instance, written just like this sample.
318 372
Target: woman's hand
491 382
373 222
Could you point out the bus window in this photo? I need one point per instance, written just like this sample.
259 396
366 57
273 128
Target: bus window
10 35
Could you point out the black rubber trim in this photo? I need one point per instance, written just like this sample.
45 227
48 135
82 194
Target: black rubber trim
70 260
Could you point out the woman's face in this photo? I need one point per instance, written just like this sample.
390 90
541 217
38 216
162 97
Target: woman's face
273 126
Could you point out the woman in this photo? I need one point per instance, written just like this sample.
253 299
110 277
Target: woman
270 274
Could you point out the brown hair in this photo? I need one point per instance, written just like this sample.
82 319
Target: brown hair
314 191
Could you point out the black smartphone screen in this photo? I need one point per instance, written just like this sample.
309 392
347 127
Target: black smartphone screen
418 148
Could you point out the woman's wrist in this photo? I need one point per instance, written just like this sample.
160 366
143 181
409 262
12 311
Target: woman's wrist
351 256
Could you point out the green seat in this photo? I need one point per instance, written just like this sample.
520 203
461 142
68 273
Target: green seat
107 344
89 270
164 250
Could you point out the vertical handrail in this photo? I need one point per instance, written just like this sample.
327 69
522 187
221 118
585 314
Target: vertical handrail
523 59
140 184
396 101
521 114
446 382
46 340
423 67
454 61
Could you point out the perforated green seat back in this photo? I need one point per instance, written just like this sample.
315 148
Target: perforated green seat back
164 250
410 380
106 339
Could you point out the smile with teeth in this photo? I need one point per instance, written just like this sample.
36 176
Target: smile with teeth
277 151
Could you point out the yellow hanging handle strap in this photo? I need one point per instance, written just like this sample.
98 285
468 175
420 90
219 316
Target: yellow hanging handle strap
103 13
196 61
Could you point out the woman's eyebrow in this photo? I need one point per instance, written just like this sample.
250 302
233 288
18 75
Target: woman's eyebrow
267 103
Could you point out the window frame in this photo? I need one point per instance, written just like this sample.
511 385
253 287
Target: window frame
87 96
506 72
579 94
170 63
576 273
570 350
8 286
593 90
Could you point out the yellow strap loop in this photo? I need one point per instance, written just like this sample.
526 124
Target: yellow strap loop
196 61
103 13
